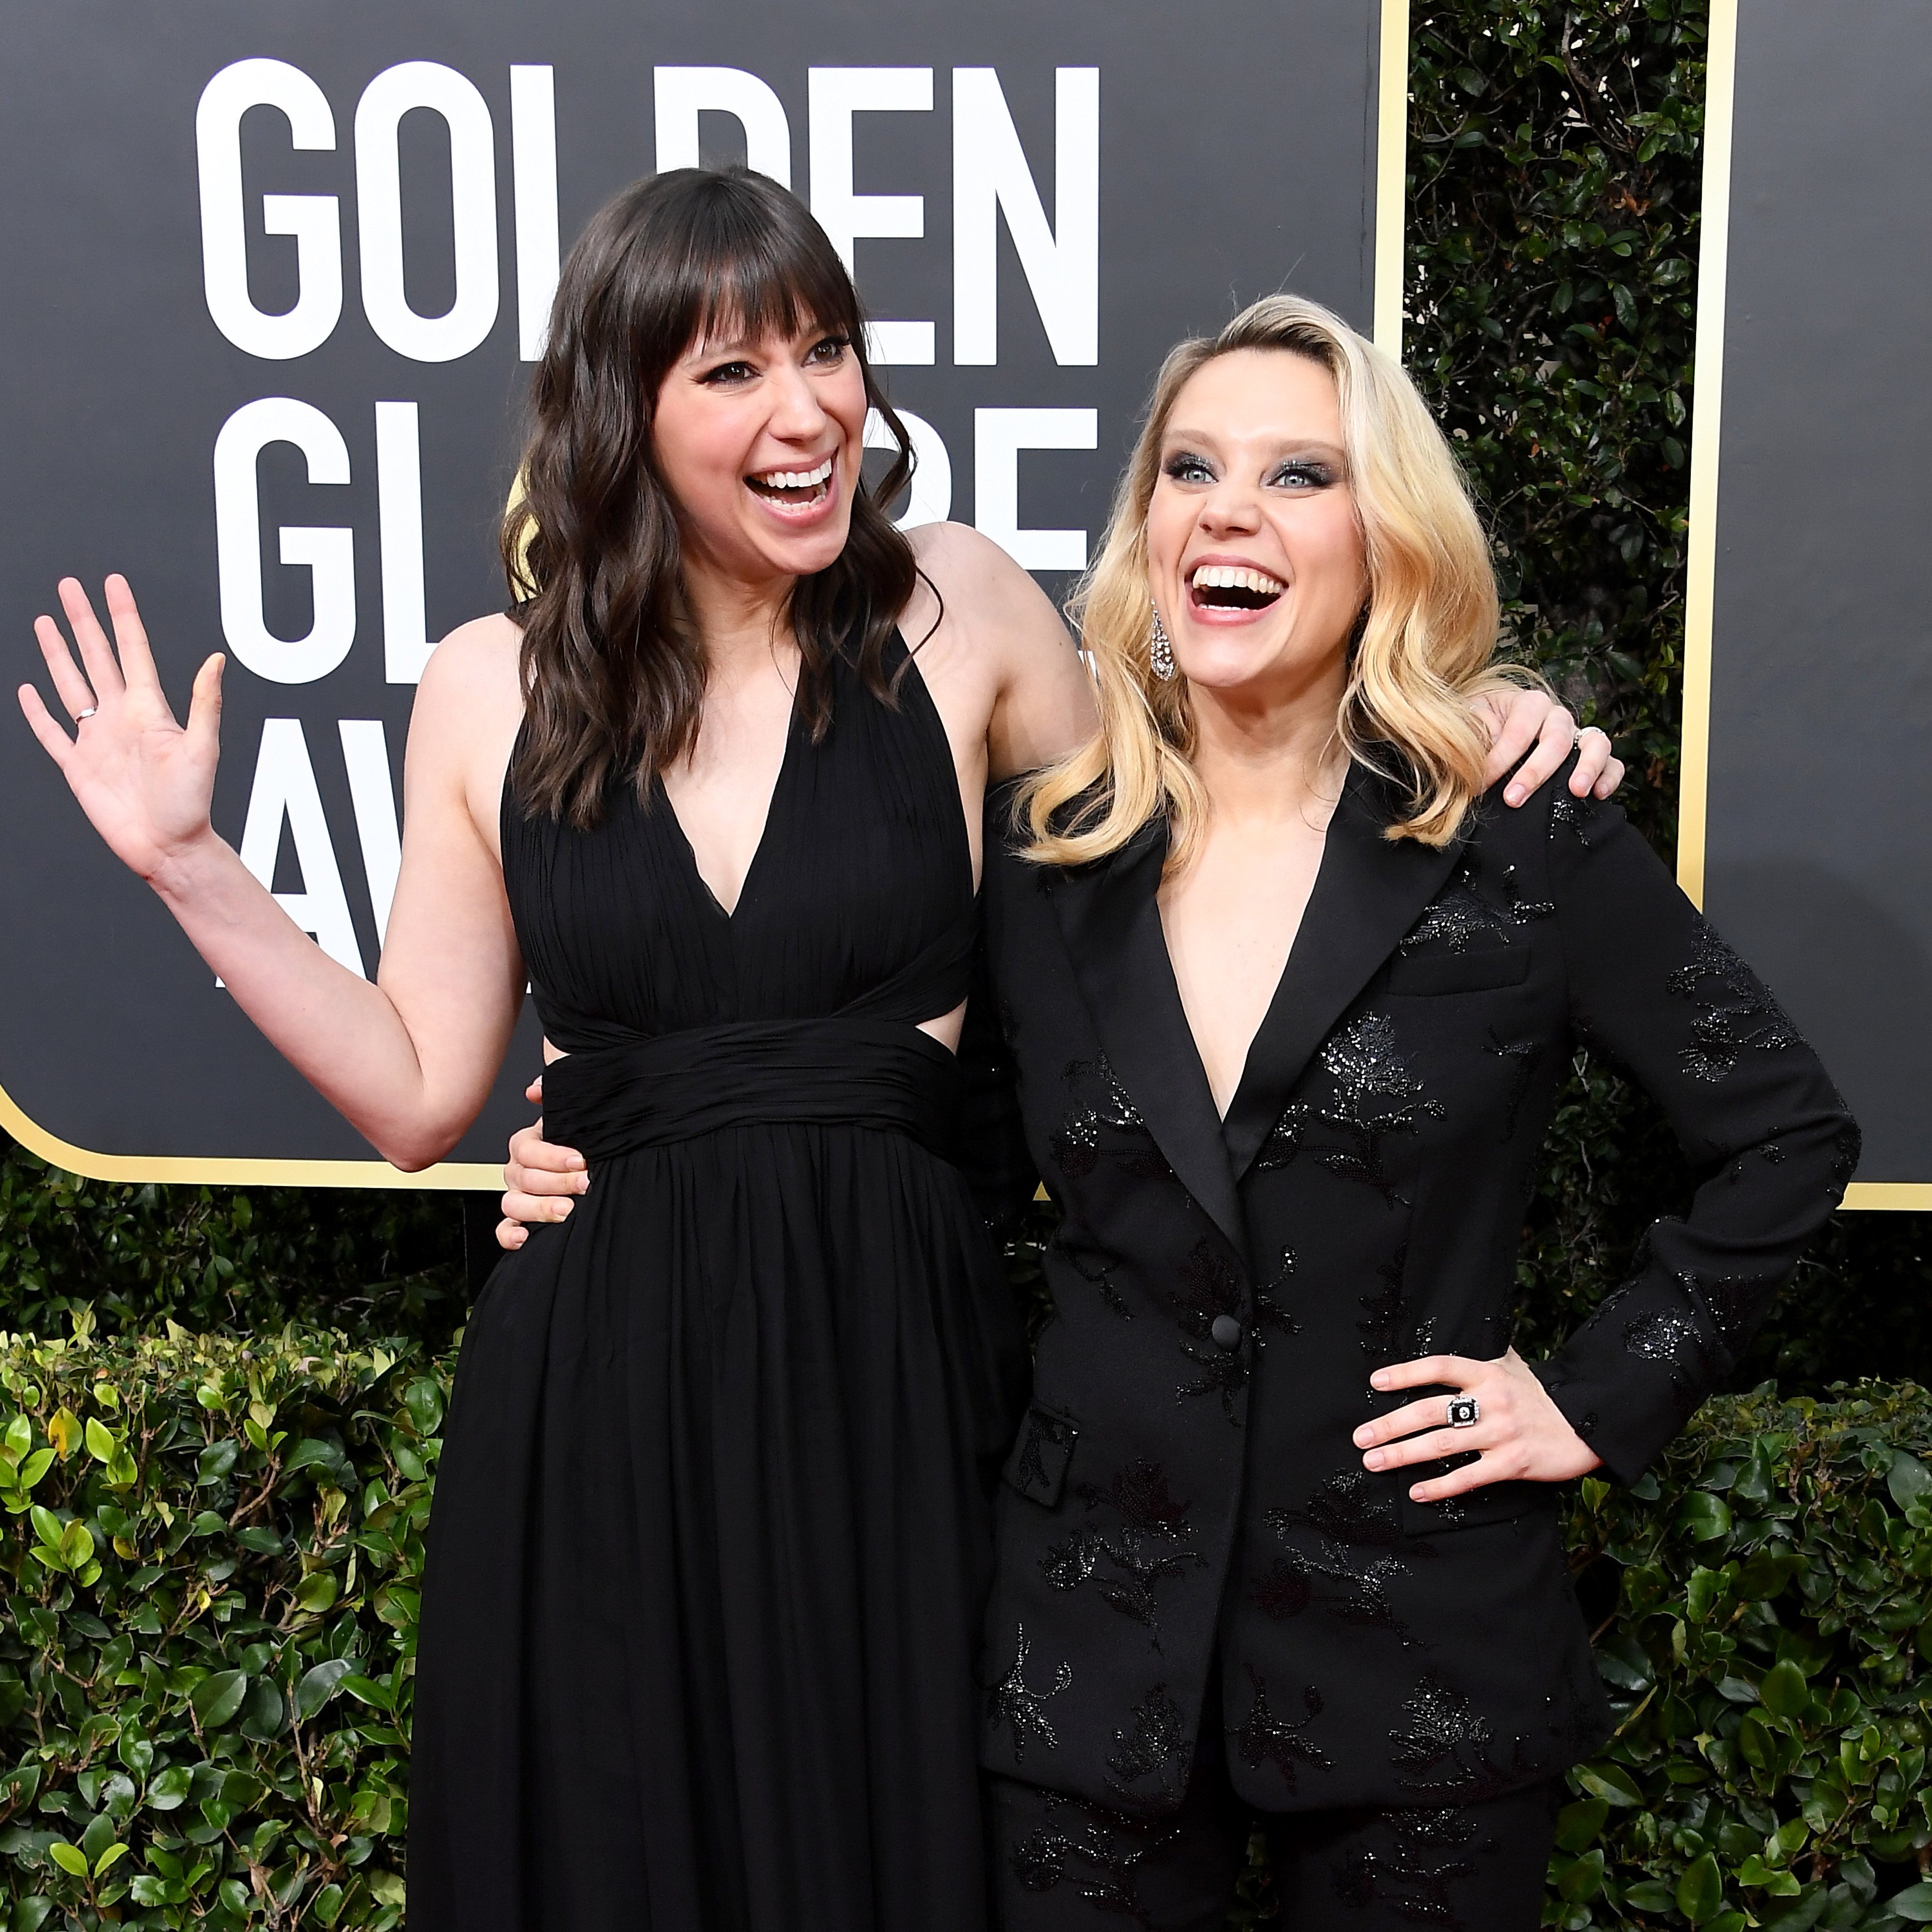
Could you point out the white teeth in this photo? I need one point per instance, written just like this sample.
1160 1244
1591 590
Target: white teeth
796 479
1224 576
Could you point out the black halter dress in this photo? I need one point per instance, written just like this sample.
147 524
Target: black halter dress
712 1528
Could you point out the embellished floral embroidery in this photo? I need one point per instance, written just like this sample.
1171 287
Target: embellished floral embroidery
1346 1520
1732 1302
1427 1851
1212 1292
1739 1015
1014 1702
1522 1056
1284 1138
1037 1467
1150 1541
1380 1331
1076 1147
1153 1742
1576 815
1459 913
1662 1335
1101 1274
1442 1748
1265 1738
1375 1095
1269 1312
1098 1854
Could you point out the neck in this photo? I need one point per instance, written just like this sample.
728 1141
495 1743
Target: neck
1274 758
741 620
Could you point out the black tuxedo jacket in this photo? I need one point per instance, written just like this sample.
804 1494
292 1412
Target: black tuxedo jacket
1184 1490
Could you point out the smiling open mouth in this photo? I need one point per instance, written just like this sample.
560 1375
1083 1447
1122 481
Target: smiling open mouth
798 488
1217 586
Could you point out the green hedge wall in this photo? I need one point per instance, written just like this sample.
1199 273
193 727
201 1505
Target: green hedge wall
209 1556
209 1559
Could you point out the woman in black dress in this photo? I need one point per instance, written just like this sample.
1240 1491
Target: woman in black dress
711 1530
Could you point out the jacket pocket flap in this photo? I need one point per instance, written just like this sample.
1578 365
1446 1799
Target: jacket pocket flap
1037 1467
1471 972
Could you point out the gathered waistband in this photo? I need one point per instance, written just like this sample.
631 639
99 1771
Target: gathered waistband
883 1074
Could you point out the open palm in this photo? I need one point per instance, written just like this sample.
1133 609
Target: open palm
144 781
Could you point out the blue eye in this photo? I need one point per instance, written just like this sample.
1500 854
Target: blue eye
1186 469
1305 475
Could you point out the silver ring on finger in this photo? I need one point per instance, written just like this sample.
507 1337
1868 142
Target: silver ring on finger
81 717
1465 1411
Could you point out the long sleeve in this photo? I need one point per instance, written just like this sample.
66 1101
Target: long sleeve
1753 1111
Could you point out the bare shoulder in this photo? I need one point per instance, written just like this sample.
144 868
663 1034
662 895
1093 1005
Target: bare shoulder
972 572
475 666
469 707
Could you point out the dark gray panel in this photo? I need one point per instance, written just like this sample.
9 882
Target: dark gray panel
1237 157
1820 852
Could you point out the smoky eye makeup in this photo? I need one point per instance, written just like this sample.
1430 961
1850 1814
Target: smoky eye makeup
1182 466
1305 473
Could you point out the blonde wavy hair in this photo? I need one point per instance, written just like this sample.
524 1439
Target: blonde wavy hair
1421 652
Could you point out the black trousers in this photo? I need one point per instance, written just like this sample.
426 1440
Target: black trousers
1060 1864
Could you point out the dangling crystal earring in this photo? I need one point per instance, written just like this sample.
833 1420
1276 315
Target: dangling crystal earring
1160 650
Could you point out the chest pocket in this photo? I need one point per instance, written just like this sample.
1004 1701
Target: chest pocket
1498 964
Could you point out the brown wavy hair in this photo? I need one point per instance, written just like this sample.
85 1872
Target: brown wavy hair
613 666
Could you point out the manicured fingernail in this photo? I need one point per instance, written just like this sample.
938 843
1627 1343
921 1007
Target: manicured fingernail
1375 1458
582 1182
1364 1437
1514 795
575 1160
1380 1379
563 1207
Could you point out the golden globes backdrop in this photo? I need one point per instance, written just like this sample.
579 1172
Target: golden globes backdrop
1806 828
276 273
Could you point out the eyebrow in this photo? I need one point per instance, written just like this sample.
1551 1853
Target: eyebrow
1308 443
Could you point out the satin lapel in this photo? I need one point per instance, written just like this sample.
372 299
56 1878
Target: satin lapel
1370 891
1110 920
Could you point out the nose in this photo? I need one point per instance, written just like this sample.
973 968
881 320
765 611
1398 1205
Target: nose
797 415
1232 508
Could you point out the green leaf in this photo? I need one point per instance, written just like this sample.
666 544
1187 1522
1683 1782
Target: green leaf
215 1699
1610 1782
320 1684
1648 1895
69 1858
77 1544
1915 1903
1581 1877
1700 1891
1784 1691
1577 1825
1706 1517
112 1856
317 1590
167 1790
1908 1479
100 1440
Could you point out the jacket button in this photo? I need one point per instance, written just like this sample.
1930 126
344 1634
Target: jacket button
1226 1332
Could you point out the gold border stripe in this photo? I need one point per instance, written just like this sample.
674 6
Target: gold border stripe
218 1172
1391 175
1897 1196
1707 401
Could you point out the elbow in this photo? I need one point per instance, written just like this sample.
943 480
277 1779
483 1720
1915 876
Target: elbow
412 1152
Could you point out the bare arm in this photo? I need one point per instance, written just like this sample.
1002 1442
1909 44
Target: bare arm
1034 701
409 1061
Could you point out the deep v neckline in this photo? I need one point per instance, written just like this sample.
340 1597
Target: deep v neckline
729 914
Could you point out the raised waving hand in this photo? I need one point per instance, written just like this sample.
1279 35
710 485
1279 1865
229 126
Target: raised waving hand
409 1059
145 780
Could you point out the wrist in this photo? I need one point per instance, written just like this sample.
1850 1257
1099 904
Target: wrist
182 867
